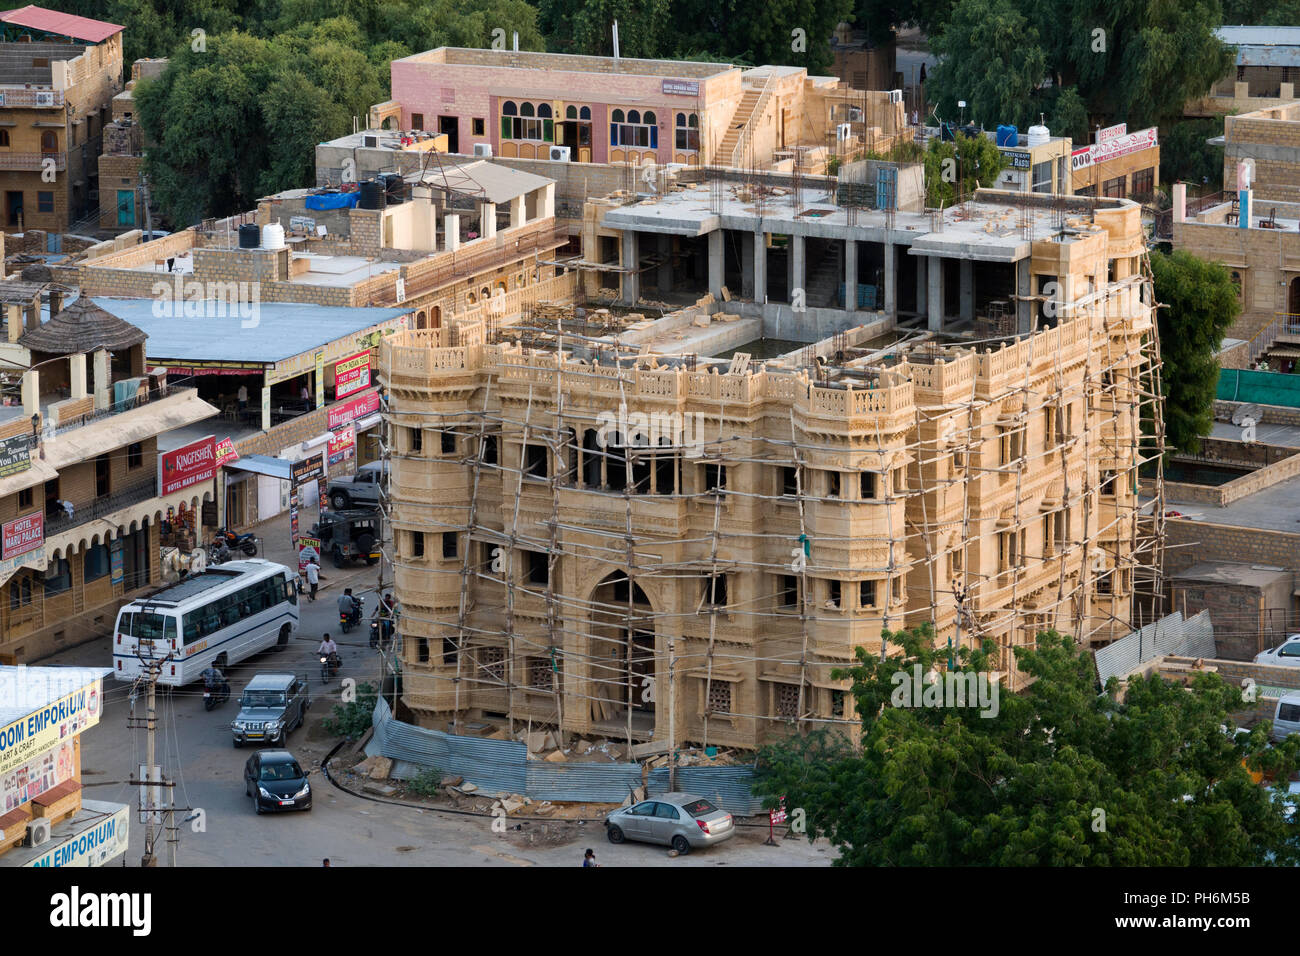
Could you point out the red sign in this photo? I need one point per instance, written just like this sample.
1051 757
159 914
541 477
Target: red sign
187 466
352 410
22 535
226 454
776 816
343 445
352 374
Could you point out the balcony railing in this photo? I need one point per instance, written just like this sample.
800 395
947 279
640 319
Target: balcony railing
126 405
21 96
33 162
60 521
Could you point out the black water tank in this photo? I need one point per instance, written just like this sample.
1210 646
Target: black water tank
250 236
394 188
372 195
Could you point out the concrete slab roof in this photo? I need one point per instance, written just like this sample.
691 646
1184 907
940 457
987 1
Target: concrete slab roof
1270 509
281 330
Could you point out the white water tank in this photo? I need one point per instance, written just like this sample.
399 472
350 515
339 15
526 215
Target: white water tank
273 236
1038 135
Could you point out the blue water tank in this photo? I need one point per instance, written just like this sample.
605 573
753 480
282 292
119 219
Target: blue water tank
1007 135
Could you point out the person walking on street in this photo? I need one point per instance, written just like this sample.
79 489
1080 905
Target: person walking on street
589 858
313 576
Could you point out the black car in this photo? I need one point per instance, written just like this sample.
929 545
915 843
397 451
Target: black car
350 535
280 782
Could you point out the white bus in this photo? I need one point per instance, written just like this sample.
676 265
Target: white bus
221 615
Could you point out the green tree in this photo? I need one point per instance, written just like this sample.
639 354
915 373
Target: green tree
1185 156
1059 776
972 161
586 27
1200 304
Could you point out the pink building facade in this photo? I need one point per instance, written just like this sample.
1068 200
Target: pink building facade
605 111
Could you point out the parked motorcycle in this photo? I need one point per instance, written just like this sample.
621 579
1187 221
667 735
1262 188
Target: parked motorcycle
219 552
329 667
215 694
348 621
246 543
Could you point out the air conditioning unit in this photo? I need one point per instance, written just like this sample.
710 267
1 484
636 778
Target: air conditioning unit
855 114
38 832
370 141
895 96
843 132
483 149
559 154
44 99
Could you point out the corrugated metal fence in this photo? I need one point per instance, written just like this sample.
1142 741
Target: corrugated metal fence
728 787
1193 637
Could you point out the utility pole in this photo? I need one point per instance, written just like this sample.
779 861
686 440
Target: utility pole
152 780
672 717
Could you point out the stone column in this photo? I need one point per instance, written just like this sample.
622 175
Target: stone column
967 303
797 277
631 284
1025 310
516 212
451 232
934 294
850 275
31 391
760 267
103 388
77 374
487 220
891 281
716 273
747 269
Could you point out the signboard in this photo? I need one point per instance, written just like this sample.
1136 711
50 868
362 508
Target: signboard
1115 147
30 736
23 535
1015 158
1111 132
320 379
776 816
187 370
681 87
15 455
355 409
226 454
307 469
266 408
308 548
352 374
115 560
40 774
94 846
343 445
187 465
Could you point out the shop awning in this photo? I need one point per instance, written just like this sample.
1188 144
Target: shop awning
262 465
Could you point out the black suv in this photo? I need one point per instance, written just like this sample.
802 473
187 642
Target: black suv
349 535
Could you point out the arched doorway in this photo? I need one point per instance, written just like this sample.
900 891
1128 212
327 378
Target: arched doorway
623 655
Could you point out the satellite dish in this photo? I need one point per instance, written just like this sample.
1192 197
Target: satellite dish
1243 412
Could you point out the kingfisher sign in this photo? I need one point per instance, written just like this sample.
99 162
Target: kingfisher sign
187 465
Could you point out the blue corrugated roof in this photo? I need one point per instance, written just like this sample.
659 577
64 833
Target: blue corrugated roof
1263 46
269 332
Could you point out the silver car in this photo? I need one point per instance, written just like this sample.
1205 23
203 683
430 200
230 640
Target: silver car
1286 655
678 820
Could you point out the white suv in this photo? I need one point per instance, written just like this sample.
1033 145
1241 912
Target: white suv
1287 655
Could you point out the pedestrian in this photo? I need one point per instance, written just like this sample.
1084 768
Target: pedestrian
313 576
242 395
325 862
589 858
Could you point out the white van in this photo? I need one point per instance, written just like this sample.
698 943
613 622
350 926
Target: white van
1286 719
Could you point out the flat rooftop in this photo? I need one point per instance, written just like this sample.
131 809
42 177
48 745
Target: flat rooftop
1272 509
1231 572
282 329
989 228
566 62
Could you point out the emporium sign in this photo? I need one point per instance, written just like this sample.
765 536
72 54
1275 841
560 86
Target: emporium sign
187 465
352 374
30 736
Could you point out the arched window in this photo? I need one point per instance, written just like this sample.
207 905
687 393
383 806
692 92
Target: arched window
526 109
570 112
470 296
508 108
649 118
695 121
544 111
634 116
681 119
584 113
616 116
49 142
687 131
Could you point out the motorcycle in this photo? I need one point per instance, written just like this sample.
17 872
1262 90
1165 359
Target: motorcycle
329 667
246 543
219 552
214 695
374 633
348 621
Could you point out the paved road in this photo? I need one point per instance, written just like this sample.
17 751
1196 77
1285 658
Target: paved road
196 750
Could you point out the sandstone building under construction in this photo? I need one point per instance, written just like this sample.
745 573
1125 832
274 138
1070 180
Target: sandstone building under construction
644 531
